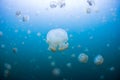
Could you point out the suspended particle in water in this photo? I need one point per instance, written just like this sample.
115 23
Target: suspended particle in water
38 34
14 50
18 13
53 4
49 57
108 45
2 46
102 77
16 30
57 39
25 18
73 55
28 32
99 60
83 58
23 43
1 33
56 71
7 66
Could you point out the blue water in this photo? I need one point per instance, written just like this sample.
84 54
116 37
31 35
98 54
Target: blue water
90 33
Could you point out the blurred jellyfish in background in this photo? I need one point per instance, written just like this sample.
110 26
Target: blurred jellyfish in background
57 39
2 45
53 4
52 63
7 66
6 73
91 2
25 18
99 60
83 58
1 33
112 68
7 70
56 71
18 13
61 3
14 50
88 10
69 65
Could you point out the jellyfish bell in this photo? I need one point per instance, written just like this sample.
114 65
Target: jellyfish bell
15 50
99 60
88 10
18 13
53 4
7 66
83 58
57 39
91 2
61 3
69 65
25 18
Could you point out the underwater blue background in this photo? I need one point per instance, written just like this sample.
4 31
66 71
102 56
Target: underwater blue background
91 33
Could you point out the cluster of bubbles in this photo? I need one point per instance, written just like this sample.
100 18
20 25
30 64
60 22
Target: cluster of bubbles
57 39
83 58
60 3
24 18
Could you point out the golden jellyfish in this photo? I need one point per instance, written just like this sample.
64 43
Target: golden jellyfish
57 39
83 58
98 60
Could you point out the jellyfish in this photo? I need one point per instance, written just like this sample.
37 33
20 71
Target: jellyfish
6 73
90 2
56 71
25 18
88 10
69 65
57 39
61 3
1 33
53 4
7 66
15 50
52 63
2 45
98 60
18 13
83 58
112 68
